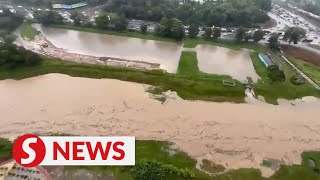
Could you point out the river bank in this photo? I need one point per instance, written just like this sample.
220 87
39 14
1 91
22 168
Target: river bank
126 109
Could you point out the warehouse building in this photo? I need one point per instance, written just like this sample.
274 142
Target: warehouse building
72 6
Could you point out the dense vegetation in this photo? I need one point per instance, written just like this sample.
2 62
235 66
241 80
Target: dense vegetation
12 56
48 17
9 21
294 34
5 149
111 22
275 74
172 28
218 13
274 44
311 7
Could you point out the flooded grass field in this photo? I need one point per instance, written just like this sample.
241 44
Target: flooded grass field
211 59
218 60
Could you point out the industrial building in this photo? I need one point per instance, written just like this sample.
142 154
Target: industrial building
72 6
266 60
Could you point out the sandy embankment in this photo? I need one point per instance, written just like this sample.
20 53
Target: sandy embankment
42 46
234 135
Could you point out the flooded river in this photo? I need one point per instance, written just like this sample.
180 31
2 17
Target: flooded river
234 135
212 59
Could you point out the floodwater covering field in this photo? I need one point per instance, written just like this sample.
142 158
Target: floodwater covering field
212 59
218 60
165 53
234 135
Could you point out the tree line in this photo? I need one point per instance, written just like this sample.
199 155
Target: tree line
211 13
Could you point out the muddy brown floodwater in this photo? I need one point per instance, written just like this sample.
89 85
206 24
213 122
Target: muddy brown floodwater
234 135
212 59
165 53
218 60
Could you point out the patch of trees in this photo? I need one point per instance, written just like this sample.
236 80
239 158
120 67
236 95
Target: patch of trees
12 56
143 28
171 28
151 170
258 36
77 18
193 30
112 22
10 21
313 8
274 44
275 74
245 13
294 34
214 33
102 21
242 34
49 17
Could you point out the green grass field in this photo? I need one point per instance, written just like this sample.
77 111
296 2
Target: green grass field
28 32
188 67
309 69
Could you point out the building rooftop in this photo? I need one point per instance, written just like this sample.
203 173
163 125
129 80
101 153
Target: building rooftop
267 61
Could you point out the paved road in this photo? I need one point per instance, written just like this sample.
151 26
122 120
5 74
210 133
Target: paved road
301 73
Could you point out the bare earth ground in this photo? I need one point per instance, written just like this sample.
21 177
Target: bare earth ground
234 135
302 54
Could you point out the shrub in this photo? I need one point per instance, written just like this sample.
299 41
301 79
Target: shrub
12 56
297 80
275 74
152 170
